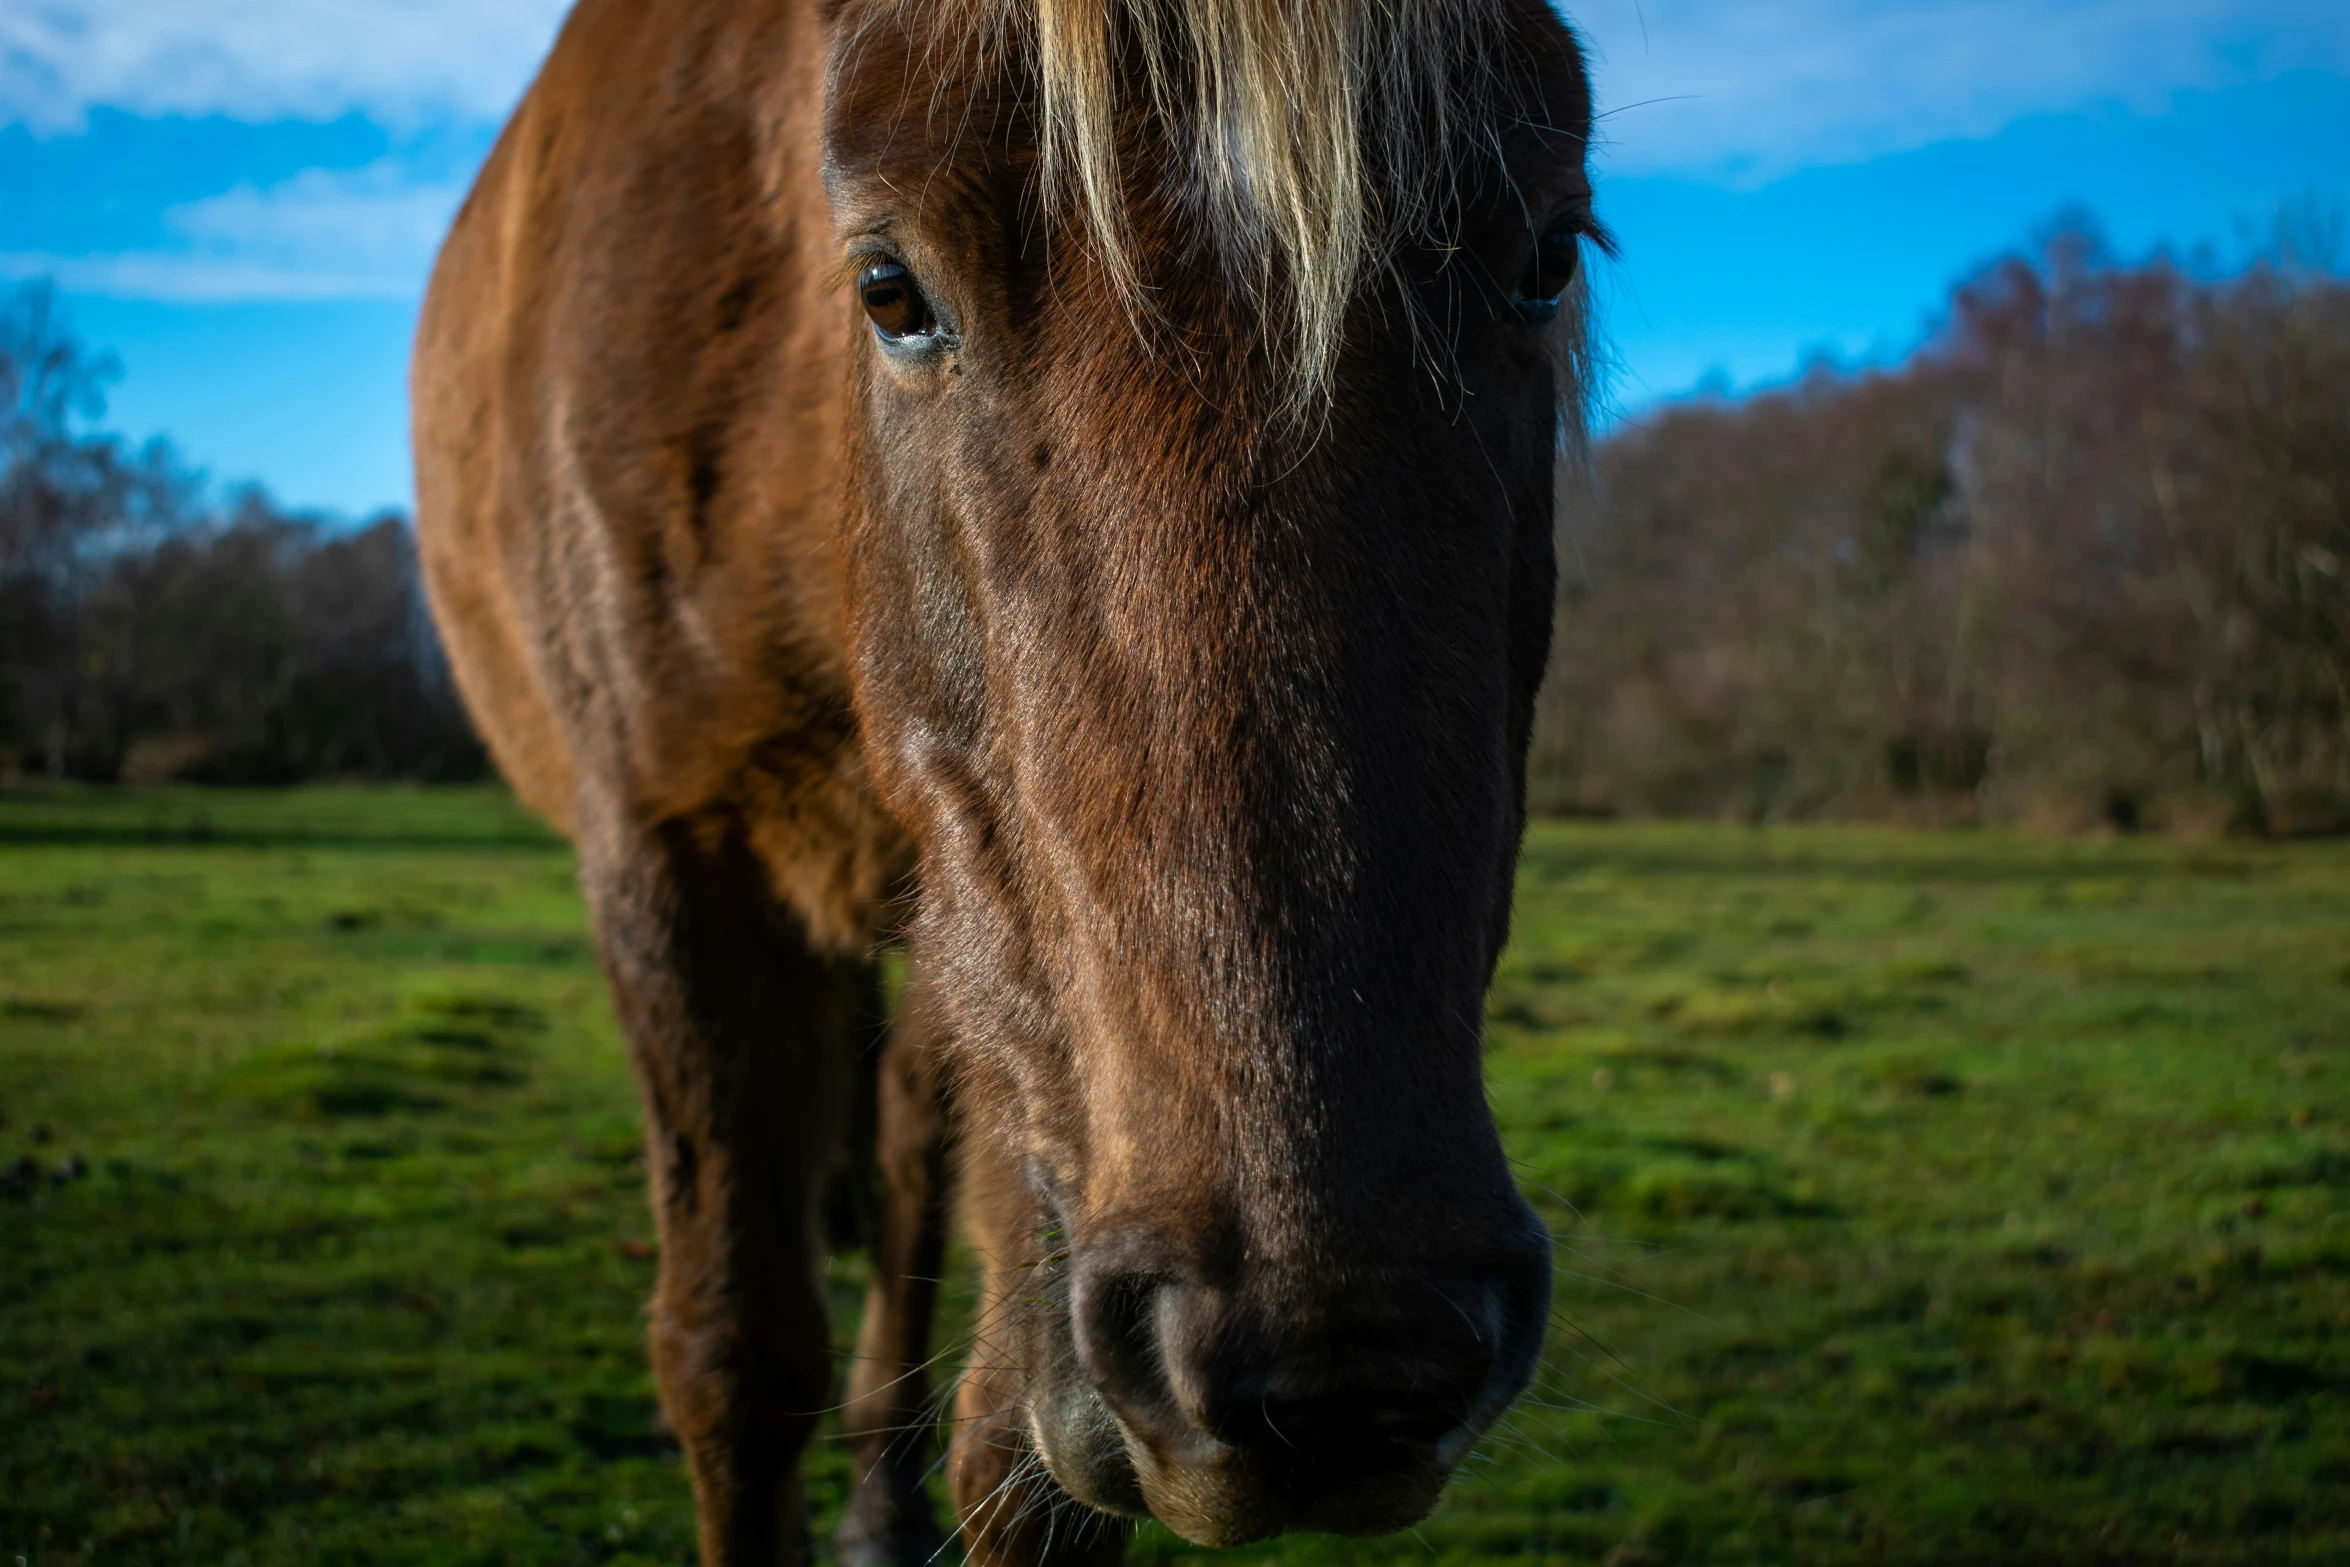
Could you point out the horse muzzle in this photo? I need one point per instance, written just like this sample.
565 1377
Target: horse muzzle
1277 1403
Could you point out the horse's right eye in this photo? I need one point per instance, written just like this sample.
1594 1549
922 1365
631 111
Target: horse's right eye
894 303
1556 260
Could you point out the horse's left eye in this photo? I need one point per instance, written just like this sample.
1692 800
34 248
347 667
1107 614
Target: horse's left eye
1554 265
894 303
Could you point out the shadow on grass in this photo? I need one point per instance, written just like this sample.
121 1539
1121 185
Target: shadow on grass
198 832
48 815
442 1046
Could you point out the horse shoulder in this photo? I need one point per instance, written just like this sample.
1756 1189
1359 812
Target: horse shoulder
629 389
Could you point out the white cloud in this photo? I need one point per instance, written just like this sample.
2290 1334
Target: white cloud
183 279
368 221
1755 87
262 59
348 235
1732 90
1744 91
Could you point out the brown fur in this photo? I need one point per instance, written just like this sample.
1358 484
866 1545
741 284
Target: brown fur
1182 739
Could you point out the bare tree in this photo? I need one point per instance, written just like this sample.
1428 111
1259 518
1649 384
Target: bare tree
146 630
2083 557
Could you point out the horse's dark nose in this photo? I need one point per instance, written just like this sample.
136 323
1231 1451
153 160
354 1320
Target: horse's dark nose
1312 1387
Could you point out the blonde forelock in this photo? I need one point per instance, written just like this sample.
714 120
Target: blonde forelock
1318 132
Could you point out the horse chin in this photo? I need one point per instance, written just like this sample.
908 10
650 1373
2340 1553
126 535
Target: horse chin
1219 1498
1212 1494
1084 1448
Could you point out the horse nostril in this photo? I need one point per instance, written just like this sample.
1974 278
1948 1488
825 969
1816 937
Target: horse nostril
1116 1323
1307 1380
1179 1363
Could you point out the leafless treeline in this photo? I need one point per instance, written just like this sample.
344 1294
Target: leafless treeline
147 632
2085 557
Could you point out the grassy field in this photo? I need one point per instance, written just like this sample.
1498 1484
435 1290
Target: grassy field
1936 1198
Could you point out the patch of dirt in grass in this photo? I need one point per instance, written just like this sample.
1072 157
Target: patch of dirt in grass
35 1009
1915 1077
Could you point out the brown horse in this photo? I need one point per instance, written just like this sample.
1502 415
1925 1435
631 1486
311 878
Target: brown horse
1065 484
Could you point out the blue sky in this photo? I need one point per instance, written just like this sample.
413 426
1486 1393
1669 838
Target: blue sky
241 197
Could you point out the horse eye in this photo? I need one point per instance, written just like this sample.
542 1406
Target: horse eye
1555 262
897 307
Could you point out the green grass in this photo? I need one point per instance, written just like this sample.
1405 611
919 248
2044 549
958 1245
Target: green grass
1933 1198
